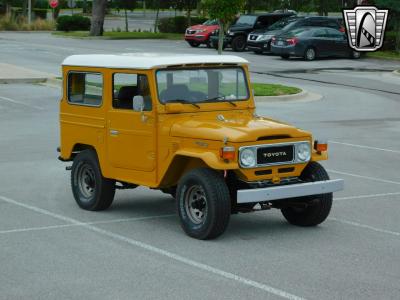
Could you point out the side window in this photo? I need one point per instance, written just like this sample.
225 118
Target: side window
85 88
321 33
332 33
126 87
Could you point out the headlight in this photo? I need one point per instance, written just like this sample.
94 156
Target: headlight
264 37
303 152
248 158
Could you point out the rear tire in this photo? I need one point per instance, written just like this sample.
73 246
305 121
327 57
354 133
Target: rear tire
239 44
318 206
90 189
355 54
203 204
310 54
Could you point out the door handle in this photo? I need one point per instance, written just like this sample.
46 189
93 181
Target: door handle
114 132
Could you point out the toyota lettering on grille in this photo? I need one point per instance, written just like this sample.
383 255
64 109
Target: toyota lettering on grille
275 154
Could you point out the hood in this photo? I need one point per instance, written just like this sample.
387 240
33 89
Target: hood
236 127
204 27
267 32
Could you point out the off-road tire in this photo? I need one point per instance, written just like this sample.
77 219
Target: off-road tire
90 189
216 196
239 43
319 210
310 54
194 44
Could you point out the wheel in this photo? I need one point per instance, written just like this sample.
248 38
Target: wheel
317 207
310 54
239 44
285 56
194 44
203 204
91 190
355 54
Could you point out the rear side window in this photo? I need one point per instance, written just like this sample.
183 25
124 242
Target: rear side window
320 33
85 88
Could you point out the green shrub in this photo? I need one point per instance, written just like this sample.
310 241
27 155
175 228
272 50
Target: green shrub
389 42
177 24
73 23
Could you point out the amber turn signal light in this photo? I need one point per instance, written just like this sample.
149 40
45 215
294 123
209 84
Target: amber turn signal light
227 153
321 146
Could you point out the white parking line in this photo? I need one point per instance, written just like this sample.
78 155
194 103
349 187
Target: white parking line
366 196
364 177
395 233
20 103
173 256
88 223
365 147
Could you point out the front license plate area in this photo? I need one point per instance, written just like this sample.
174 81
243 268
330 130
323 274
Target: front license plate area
273 155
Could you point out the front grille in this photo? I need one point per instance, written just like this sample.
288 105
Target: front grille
191 31
273 155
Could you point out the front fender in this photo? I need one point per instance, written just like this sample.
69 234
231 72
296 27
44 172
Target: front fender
210 158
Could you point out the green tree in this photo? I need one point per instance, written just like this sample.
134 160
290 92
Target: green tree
225 11
394 15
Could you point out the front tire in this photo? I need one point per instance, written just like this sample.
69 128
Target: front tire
194 44
239 44
203 204
90 189
317 207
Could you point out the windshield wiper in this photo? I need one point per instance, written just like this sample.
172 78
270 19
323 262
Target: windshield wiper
222 99
184 102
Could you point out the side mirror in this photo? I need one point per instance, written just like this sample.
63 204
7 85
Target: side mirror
138 103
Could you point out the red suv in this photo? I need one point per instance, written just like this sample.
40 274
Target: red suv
200 34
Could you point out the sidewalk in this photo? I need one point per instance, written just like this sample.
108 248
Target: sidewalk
14 74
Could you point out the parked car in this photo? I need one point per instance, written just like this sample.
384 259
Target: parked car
186 125
259 41
236 36
200 34
312 42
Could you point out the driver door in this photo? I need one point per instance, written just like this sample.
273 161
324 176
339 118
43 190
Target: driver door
131 134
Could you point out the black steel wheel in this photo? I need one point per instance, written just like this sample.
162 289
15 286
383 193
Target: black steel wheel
203 204
312 210
90 189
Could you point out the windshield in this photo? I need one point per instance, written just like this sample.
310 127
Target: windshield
246 20
211 22
281 23
202 85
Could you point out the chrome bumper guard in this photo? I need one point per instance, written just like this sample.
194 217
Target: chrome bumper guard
289 191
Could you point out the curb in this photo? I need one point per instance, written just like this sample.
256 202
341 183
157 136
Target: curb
302 96
22 80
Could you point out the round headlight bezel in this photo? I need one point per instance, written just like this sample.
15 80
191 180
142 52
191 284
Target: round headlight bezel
251 152
303 152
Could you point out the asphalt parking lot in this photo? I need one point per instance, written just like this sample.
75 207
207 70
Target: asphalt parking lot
51 249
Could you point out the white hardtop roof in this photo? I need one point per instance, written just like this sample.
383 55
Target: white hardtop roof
147 61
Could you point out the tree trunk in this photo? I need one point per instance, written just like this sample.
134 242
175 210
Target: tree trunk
398 33
98 15
220 37
157 14
126 21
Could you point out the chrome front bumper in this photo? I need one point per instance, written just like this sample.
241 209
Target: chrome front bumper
289 191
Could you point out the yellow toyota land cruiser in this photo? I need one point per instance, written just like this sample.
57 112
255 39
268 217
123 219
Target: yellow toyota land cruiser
186 125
